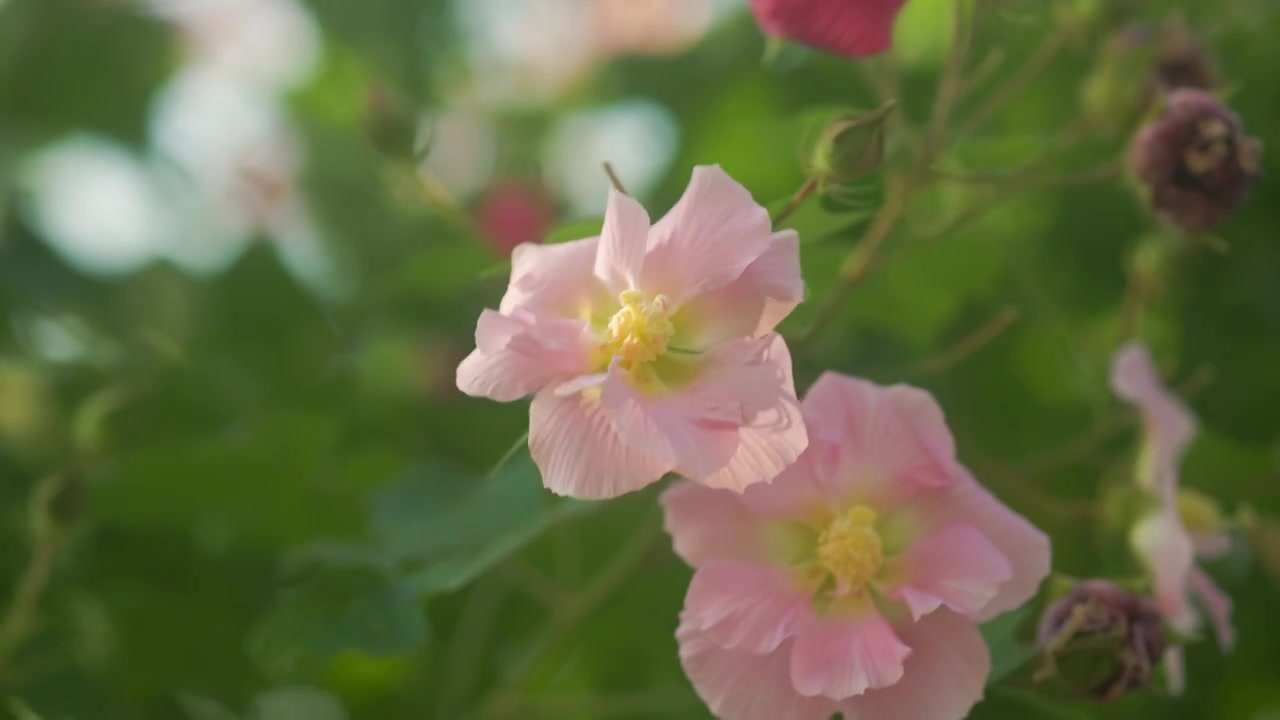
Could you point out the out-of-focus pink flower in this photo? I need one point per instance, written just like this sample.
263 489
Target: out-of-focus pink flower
848 27
1161 538
854 581
651 349
512 214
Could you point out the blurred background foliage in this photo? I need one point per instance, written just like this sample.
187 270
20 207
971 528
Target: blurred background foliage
243 245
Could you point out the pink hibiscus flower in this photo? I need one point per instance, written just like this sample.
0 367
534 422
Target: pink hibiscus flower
651 349
1161 538
855 581
848 27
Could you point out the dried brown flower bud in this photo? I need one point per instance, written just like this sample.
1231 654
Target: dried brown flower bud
1194 162
1101 640
1181 62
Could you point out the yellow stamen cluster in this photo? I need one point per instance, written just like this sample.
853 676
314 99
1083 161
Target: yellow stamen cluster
850 548
640 330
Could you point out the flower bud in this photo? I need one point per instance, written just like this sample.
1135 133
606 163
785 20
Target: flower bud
1181 62
1194 163
1100 640
850 146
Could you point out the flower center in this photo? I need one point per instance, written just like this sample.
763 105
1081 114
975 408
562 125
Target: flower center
850 548
1211 148
640 331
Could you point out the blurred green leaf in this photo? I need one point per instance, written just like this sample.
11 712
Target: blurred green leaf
338 607
450 532
1009 646
297 703
200 708
575 230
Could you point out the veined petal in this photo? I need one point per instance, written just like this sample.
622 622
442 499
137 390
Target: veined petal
944 677
620 258
955 566
751 305
1169 426
856 28
707 524
707 240
884 444
554 280
743 606
740 686
838 657
518 355
1165 549
1021 543
1216 603
580 454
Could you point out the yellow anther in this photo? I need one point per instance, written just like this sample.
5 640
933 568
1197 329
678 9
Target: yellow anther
850 548
640 330
1199 513
1213 150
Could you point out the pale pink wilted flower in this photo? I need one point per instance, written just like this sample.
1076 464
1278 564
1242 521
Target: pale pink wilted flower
854 582
1161 538
855 28
651 349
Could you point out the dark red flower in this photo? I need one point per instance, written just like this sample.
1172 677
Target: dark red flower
848 27
512 213
1195 162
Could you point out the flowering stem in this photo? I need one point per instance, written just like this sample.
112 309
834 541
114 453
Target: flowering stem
613 178
21 616
855 267
970 344
949 84
796 200
543 656
1044 54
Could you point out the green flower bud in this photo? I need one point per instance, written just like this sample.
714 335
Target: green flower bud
850 146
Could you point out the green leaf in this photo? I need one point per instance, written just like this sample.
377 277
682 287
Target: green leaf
339 606
1005 702
450 533
202 708
297 703
1010 649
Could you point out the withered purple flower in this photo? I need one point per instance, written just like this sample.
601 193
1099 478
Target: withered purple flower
1100 639
1195 163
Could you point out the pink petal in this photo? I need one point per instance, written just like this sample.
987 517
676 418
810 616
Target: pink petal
944 677
518 355
794 493
622 242
849 27
744 384
841 657
1175 669
1217 603
1165 549
554 280
1169 425
740 686
696 439
579 453
1021 543
774 435
714 232
743 606
884 443
753 304
707 524
956 566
